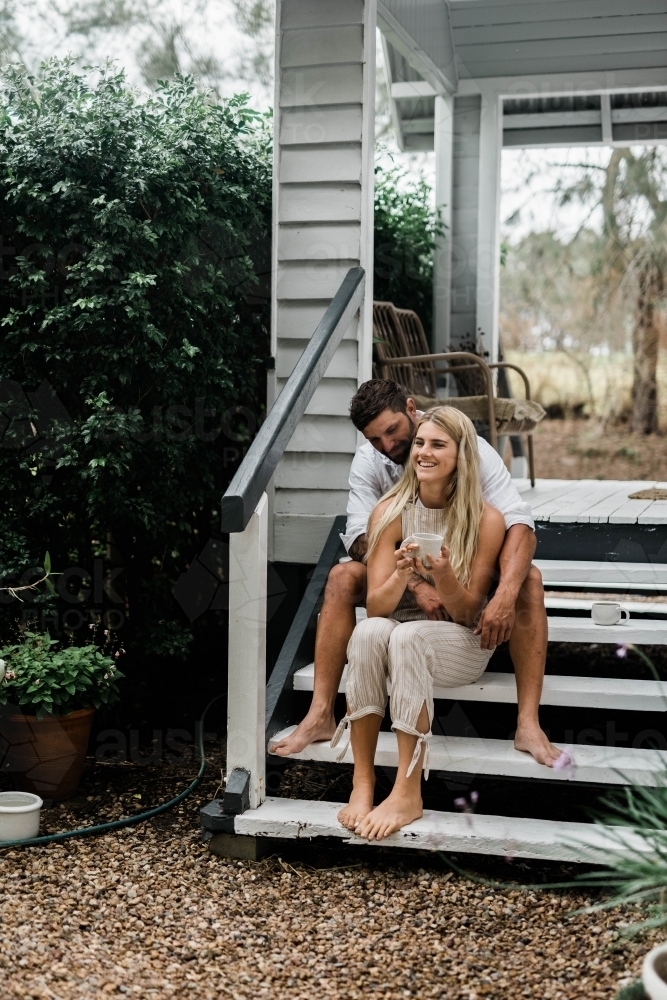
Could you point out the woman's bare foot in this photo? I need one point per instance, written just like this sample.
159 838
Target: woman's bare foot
315 727
531 738
397 810
359 806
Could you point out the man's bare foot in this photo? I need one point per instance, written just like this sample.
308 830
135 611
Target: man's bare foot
397 810
315 727
359 806
532 739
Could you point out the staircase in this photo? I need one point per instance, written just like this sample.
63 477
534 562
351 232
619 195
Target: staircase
591 537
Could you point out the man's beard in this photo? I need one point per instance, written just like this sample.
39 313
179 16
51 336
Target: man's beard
400 454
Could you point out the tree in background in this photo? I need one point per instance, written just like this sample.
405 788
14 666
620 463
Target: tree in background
129 225
405 229
154 39
631 263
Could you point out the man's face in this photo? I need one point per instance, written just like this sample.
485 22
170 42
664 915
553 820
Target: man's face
391 433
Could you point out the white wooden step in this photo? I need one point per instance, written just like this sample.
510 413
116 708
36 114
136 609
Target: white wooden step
589 574
584 604
573 692
298 819
464 755
641 632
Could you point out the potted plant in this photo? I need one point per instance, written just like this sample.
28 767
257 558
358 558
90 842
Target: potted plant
57 686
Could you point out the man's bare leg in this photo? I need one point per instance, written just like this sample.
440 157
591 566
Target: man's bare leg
345 588
528 649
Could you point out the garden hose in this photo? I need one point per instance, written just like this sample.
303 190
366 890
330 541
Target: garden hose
117 824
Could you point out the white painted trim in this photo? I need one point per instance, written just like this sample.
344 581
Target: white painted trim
488 221
606 119
552 119
365 329
621 116
418 126
410 89
624 81
396 119
414 55
247 651
507 836
442 269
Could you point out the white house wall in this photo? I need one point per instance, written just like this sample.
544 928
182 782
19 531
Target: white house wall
323 191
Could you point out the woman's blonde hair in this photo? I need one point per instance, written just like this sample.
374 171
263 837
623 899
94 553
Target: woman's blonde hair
463 497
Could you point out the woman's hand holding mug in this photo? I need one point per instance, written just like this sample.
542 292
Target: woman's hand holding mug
437 565
405 559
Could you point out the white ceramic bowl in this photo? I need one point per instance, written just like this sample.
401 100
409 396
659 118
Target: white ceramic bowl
19 815
654 972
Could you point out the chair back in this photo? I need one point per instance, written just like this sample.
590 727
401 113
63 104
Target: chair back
422 373
398 333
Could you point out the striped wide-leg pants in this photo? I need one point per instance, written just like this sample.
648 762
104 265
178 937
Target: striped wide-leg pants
411 656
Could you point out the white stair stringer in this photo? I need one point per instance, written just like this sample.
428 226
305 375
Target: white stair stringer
623 693
465 755
510 837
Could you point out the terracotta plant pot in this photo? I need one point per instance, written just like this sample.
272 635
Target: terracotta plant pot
46 756
654 973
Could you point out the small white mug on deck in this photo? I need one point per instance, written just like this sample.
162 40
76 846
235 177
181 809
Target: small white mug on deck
429 545
608 613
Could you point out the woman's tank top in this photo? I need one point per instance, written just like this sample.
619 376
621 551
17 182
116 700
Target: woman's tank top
417 517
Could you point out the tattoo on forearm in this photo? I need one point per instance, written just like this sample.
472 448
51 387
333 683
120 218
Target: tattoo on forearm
358 548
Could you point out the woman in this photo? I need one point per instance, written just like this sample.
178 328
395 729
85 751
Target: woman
440 493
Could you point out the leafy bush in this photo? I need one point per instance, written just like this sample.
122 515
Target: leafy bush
49 678
405 230
133 328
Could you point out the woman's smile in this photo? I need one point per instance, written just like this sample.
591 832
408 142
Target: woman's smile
434 453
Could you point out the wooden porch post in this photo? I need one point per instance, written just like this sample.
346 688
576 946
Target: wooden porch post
442 272
247 652
488 221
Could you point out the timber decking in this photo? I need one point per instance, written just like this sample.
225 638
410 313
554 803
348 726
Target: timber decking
592 501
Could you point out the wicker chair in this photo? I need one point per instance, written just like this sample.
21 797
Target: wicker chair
402 353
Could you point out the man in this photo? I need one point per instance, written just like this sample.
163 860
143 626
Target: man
387 418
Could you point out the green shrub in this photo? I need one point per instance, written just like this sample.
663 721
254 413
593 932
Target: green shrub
405 230
132 332
49 678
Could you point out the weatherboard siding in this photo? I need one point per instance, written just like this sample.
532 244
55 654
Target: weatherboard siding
322 227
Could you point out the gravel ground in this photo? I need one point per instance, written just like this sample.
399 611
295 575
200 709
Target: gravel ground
149 912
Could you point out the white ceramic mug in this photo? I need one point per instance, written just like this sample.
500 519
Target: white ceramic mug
608 613
429 546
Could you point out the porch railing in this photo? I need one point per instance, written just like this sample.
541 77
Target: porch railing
245 517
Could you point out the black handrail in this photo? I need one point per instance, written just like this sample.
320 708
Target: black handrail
274 435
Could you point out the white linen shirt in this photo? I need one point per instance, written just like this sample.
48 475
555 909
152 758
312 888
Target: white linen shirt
372 474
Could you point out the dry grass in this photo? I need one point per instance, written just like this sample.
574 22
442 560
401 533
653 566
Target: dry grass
582 384
591 449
